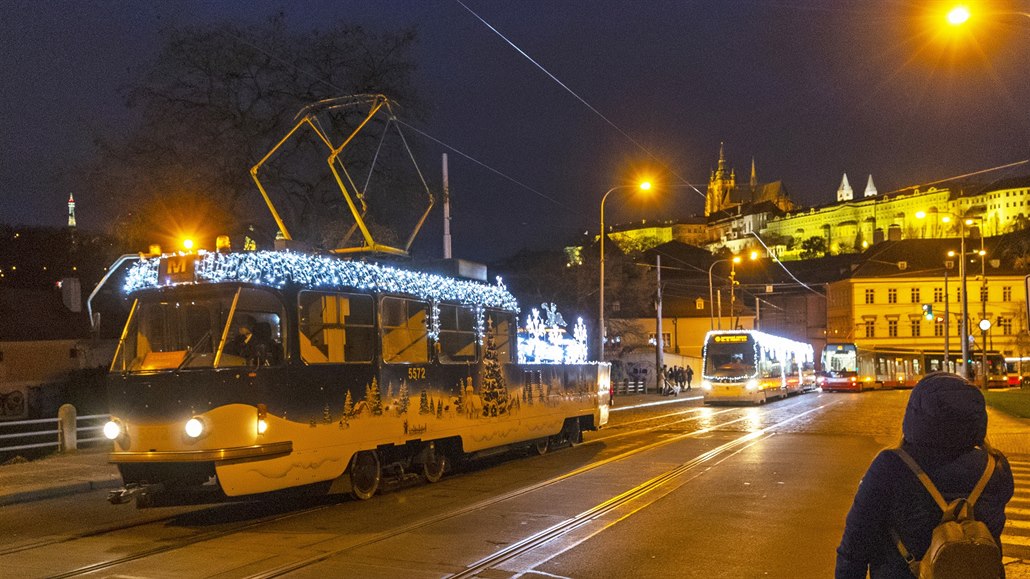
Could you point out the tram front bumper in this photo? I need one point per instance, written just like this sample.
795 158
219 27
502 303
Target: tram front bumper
735 392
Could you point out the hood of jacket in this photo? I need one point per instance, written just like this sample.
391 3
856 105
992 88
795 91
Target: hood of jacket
945 411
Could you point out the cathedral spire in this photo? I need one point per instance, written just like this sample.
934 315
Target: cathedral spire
71 210
754 176
845 192
870 189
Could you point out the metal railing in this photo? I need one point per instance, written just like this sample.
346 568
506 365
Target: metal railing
21 434
624 387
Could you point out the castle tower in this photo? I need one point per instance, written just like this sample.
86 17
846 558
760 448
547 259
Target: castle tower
71 210
845 192
720 184
870 189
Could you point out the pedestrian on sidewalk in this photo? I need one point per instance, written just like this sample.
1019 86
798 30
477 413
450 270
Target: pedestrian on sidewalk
689 375
943 431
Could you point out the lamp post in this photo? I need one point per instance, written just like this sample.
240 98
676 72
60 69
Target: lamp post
711 291
643 186
963 294
947 315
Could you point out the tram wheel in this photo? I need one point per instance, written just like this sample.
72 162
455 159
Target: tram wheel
432 470
540 446
365 475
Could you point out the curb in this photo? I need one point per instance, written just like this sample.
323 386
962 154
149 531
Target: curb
59 491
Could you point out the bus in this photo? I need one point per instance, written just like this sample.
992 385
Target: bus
752 366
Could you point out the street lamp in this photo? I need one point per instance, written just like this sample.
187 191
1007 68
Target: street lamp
643 186
963 294
711 291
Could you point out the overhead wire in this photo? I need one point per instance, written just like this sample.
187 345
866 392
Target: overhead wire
582 100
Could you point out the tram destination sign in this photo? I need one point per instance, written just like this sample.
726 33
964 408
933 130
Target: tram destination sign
177 269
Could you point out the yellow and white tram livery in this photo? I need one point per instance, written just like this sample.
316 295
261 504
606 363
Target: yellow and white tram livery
752 366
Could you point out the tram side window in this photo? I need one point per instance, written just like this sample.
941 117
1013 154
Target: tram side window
259 314
335 327
405 332
457 334
502 324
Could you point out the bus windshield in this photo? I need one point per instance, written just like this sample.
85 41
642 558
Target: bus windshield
184 329
727 360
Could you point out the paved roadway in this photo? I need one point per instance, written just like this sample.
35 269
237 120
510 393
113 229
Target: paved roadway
668 490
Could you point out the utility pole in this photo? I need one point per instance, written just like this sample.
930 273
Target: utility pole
659 360
446 212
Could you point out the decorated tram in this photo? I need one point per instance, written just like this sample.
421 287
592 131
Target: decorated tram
753 366
245 373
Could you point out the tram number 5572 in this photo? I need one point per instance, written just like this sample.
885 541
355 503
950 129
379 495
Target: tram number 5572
416 373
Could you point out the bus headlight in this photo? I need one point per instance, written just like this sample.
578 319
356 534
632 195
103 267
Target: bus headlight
112 430
194 427
706 385
752 384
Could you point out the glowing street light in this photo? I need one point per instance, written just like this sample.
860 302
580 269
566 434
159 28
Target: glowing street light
643 186
958 15
187 244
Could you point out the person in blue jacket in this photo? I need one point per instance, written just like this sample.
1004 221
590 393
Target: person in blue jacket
944 428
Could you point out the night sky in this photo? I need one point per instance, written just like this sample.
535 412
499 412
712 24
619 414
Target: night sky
809 88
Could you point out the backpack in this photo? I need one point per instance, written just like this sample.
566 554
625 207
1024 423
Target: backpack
960 547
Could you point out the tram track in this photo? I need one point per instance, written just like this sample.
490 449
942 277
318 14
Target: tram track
561 529
687 415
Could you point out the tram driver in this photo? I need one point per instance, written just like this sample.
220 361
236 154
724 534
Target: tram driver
253 342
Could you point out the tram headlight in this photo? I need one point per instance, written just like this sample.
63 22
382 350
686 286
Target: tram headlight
194 427
112 430
706 385
752 384
262 423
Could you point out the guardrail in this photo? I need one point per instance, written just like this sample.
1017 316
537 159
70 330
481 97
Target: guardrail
66 432
624 387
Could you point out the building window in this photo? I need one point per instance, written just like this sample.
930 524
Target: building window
666 339
938 294
983 293
892 328
938 328
892 296
1005 325
870 329
915 295
869 294
915 328
1006 294
958 295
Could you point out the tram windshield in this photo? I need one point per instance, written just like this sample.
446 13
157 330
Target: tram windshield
730 359
185 329
840 360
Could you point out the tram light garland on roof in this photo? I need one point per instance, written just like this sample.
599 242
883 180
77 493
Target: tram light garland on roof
279 268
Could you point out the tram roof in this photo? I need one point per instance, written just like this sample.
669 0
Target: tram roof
310 271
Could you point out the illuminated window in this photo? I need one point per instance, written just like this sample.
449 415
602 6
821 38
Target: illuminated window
335 328
503 324
892 296
892 328
457 334
405 334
